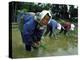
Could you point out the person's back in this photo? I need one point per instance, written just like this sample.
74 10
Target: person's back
67 25
20 20
53 23
51 27
23 18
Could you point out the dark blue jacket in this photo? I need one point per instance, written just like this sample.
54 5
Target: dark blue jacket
20 21
30 31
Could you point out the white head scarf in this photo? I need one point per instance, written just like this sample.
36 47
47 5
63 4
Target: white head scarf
41 15
59 26
72 27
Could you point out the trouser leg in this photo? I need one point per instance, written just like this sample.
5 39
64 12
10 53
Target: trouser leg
28 47
65 31
50 33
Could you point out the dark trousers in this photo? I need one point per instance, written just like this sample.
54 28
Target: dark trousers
28 47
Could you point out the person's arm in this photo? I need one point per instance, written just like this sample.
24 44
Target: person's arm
39 35
37 38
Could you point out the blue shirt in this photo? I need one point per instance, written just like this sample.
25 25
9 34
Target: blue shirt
53 24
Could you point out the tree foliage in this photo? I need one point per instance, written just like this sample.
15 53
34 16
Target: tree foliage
57 11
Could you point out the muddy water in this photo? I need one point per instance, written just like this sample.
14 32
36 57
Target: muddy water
63 45
59 47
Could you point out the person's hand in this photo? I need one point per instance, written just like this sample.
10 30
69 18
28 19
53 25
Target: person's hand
36 44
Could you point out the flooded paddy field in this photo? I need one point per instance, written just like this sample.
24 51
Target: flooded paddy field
62 46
